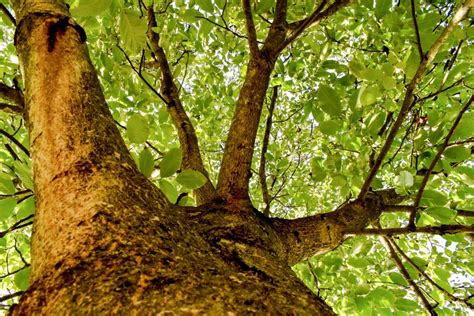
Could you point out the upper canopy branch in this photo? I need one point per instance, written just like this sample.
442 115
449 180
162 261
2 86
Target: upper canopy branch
410 92
251 32
187 136
319 14
235 168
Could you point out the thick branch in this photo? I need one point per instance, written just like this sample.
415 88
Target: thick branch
305 237
266 138
409 95
236 163
388 241
424 182
251 32
186 133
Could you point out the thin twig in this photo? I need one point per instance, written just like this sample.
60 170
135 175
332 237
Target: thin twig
17 225
222 27
432 95
15 141
428 278
437 230
388 243
7 13
417 31
141 76
424 182
10 296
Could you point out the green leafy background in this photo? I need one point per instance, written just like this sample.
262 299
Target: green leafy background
338 85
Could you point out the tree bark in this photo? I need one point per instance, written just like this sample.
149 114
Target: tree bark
105 239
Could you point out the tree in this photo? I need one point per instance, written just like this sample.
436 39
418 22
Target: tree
347 130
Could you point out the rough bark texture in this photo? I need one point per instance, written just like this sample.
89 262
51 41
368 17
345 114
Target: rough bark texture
235 169
105 240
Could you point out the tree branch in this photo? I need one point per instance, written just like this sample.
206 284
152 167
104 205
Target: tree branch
251 32
17 225
428 278
14 96
417 31
7 13
317 16
409 209
424 182
15 141
308 236
436 230
11 109
187 136
10 296
387 242
266 139
224 27
409 95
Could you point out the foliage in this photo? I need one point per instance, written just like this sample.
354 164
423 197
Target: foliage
341 85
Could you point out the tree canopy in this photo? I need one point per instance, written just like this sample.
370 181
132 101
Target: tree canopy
363 96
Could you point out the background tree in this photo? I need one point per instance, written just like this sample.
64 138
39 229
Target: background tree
352 117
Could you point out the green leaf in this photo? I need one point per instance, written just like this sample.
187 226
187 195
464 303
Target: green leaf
368 95
6 208
330 127
264 6
132 30
170 162
358 262
433 198
26 207
397 278
21 279
23 171
357 69
146 162
329 100
405 179
464 129
376 123
457 153
443 214
90 8
206 5
382 7
169 190
137 129
191 179
318 173
405 305
6 185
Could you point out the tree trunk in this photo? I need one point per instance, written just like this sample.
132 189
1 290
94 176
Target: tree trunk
105 239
